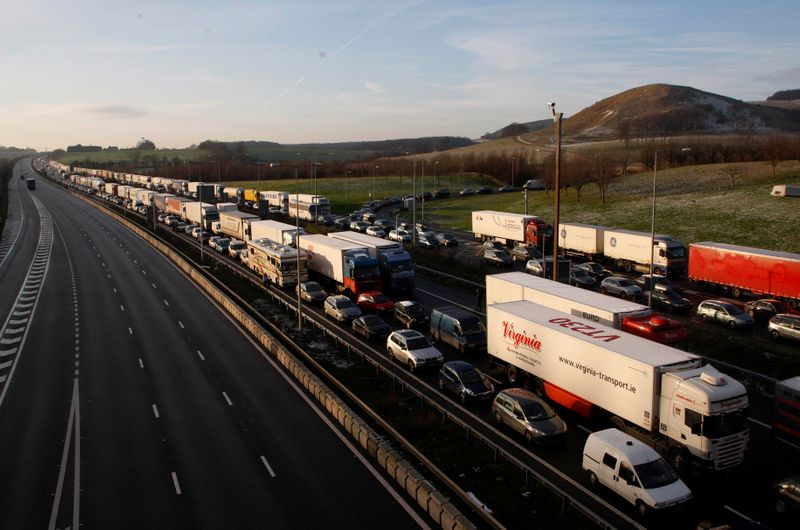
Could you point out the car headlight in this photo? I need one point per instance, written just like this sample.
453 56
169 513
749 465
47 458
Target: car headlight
469 392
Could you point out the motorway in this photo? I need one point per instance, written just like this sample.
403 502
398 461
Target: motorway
130 401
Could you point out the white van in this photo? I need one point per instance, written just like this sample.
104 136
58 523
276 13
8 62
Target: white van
633 470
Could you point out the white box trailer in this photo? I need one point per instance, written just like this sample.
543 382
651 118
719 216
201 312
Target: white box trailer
235 224
275 231
348 265
122 191
278 199
785 190
579 239
200 213
610 311
656 393
227 207
599 308
631 250
145 196
510 228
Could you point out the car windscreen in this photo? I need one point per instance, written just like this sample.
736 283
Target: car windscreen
344 303
624 282
372 320
418 343
472 326
733 309
655 474
380 298
538 411
470 375
312 286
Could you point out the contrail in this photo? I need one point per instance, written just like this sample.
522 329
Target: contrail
341 49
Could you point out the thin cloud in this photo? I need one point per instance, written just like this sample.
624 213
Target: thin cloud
372 86
787 74
115 111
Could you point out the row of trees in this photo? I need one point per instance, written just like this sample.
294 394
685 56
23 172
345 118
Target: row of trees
581 166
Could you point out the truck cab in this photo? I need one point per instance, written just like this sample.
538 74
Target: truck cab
538 232
657 328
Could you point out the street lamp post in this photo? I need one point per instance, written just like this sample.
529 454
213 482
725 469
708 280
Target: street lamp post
422 190
297 243
513 160
374 170
653 226
345 185
414 205
435 167
557 119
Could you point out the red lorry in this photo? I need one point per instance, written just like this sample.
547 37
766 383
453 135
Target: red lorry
746 270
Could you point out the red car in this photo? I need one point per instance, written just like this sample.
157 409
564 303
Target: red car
374 302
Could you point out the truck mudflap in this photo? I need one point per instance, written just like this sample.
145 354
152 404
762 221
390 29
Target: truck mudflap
570 400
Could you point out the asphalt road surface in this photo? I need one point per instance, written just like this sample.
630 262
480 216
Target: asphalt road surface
131 401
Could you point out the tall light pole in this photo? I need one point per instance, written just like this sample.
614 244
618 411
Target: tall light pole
513 160
414 205
653 226
557 119
422 191
374 170
297 243
347 172
435 167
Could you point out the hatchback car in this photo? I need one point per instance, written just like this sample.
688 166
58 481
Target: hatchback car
341 308
619 286
376 231
342 223
467 191
311 292
783 326
465 381
580 278
764 309
190 228
725 313
447 240
524 253
644 282
595 270
529 415
413 349
171 220
370 326
180 227
221 244
400 235
427 240
497 258
359 226
235 248
441 194
410 314
669 299
374 302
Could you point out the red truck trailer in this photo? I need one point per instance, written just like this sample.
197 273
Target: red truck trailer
746 270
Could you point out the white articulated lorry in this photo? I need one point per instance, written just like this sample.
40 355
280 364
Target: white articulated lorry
283 233
610 311
397 267
235 224
631 250
577 239
688 412
200 213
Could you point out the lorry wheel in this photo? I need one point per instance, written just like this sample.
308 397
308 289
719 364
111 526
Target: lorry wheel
677 459
704 317
441 385
736 292
792 303
618 423
641 508
732 324
780 506
462 396
628 266
411 366
512 375
498 419
775 335
537 386
593 481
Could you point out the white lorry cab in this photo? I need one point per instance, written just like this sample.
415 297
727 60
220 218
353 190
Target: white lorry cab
634 471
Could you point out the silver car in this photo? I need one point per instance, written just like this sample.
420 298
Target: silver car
529 415
619 286
341 308
413 349
784 326
311 292
725 313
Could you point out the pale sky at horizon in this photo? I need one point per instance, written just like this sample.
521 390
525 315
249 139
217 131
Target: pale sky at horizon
178 73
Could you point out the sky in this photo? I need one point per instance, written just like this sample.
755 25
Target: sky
180 72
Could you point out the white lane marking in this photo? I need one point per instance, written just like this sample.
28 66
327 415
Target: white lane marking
64 455
155 411
76 458
18 322
230 403
740 514
6 364
175 483
200 355
122 307
144 272
115 289
130 330
141 364
109 276
166 303
12 351
181 324
10 341
154 286
586 429
765 425
269 469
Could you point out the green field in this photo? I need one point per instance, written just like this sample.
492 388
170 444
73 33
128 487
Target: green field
694 203
126 155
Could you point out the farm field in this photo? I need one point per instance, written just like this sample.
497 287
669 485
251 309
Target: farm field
694 203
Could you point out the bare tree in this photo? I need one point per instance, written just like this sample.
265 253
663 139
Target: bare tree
734 171
603 171
774 149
